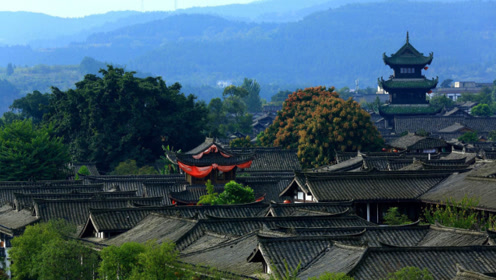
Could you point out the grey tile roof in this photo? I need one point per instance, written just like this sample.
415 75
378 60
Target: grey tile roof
122 219
338 258
205 241
274 160
154 189
7 190
440 261
459 186
464 274
242 226
76 211
229 256
354 163
133 182
436 123
13 222
155 227
400 236
307 209
414 142
22 200
372 185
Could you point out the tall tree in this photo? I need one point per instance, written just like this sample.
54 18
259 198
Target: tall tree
252 100
32 106
118 116
317 123
44 252
30 152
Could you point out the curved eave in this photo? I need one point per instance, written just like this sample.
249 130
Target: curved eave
219 162
413 60
420 85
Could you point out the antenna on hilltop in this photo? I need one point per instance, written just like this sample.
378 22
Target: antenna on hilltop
357 87
175 5
142 5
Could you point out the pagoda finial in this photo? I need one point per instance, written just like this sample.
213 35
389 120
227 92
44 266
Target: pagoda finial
407 38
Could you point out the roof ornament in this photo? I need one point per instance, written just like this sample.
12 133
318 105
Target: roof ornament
407 38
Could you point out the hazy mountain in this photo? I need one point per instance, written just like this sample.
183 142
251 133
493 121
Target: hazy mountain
330 47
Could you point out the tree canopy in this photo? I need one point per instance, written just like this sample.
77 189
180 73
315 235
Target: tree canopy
44 251
118 116
317 123
30 152
234 193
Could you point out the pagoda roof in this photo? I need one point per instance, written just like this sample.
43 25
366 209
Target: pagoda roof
211 152
422 83
407 55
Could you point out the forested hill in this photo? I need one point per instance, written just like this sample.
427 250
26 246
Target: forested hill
330 47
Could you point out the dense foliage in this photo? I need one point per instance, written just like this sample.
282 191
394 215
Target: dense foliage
29 152
459 214
394 217
83 170
469 137
411 273
234 193
129 167
118 116
44 251
317 123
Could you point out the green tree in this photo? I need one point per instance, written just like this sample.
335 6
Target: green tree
211 198
317 123
235 193
441 100
374 105
446 83
459 214
44 251
394 217
30 152
217 119
332 276
118 116
410 273
241 142
119 262
492 135
32 106
67 259
252 100
158 261
469 137
129 167
83 170
482 110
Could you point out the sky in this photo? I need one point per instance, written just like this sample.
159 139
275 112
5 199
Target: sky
80 8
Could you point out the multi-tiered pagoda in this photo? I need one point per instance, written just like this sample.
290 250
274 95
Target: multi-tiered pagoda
407 87
210 161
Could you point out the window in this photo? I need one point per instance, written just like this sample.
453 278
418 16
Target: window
301 196
407 70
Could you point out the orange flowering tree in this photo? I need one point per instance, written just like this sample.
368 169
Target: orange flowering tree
317 123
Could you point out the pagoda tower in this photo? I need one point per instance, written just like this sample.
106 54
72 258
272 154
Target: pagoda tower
210 161
407 87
